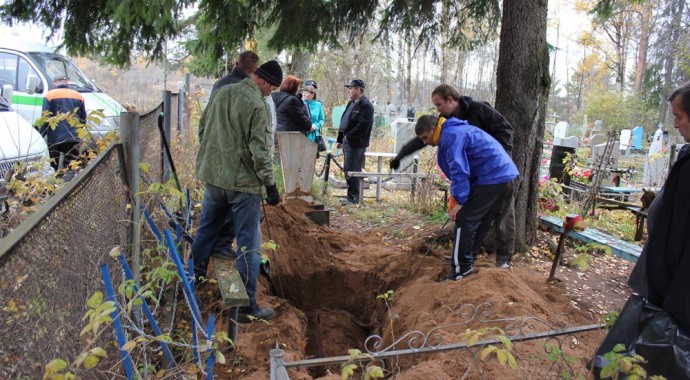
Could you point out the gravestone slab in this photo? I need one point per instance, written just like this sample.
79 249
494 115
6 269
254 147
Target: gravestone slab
402 131
656 162
560 130
596 139
637 136
570 141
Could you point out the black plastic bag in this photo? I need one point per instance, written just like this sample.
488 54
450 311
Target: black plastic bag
650 332
322 144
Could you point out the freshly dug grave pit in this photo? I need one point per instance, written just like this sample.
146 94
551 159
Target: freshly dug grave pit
327 280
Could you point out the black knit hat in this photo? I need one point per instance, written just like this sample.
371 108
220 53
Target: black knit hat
271 73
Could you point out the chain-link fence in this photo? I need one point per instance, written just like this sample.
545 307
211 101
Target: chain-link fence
150 142
49 267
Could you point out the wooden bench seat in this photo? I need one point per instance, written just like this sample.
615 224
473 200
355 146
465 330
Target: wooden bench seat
620 248
232 291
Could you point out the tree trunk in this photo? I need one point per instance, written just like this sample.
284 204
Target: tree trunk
642 50
300 64
522 91
670 50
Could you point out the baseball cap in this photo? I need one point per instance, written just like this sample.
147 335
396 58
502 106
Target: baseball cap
356 83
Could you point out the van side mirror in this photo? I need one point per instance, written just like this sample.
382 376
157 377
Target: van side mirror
33 86
7 93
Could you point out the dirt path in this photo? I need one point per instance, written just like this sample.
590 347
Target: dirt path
329 280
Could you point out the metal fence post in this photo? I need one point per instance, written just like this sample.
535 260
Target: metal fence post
129 137
278 371
167 110
415 170
181 92
188 99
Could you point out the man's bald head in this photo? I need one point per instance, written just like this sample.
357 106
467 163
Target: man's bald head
247 61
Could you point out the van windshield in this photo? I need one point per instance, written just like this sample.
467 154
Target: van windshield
52 64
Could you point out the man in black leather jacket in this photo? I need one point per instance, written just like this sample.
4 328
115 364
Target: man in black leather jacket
448 103
354 134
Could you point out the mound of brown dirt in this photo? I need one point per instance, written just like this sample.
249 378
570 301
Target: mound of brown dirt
328 280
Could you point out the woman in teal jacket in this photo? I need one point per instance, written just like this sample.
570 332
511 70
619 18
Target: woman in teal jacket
318 118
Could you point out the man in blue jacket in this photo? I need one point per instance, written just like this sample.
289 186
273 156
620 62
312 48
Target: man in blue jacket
354 134
63 140
479 170
449 103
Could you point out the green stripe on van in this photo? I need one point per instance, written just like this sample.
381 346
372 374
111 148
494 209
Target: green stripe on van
107 103
27 100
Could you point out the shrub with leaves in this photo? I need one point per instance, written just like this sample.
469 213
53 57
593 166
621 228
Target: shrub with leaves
624 367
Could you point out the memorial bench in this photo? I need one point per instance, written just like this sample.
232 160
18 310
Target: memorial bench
620 248
232 291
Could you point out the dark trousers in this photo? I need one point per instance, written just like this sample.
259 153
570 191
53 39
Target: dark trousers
503 217
69 150
475 212
354 162
225 239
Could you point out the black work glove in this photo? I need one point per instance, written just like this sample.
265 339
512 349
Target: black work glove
272 195
395 163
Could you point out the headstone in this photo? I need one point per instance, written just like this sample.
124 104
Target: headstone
559 132
570 141
598 152
402 131
625 139
607 177
637 136
597 126
655 163
596 139
336 115
391 111
557 166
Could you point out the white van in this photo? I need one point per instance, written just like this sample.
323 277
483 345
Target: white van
20 142
30 68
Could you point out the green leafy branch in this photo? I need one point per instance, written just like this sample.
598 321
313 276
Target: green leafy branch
555 354
630 366
354 363
98 317
504 355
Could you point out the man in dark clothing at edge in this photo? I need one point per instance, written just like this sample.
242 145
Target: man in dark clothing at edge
245 66
449 103
354 134
668 246
64 139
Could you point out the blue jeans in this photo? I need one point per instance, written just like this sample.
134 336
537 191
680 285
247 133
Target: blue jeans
354 162
244 208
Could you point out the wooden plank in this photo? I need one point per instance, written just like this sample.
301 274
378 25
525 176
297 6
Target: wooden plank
230 282
620 248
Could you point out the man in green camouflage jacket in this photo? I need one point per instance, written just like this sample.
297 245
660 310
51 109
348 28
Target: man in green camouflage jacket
235 161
